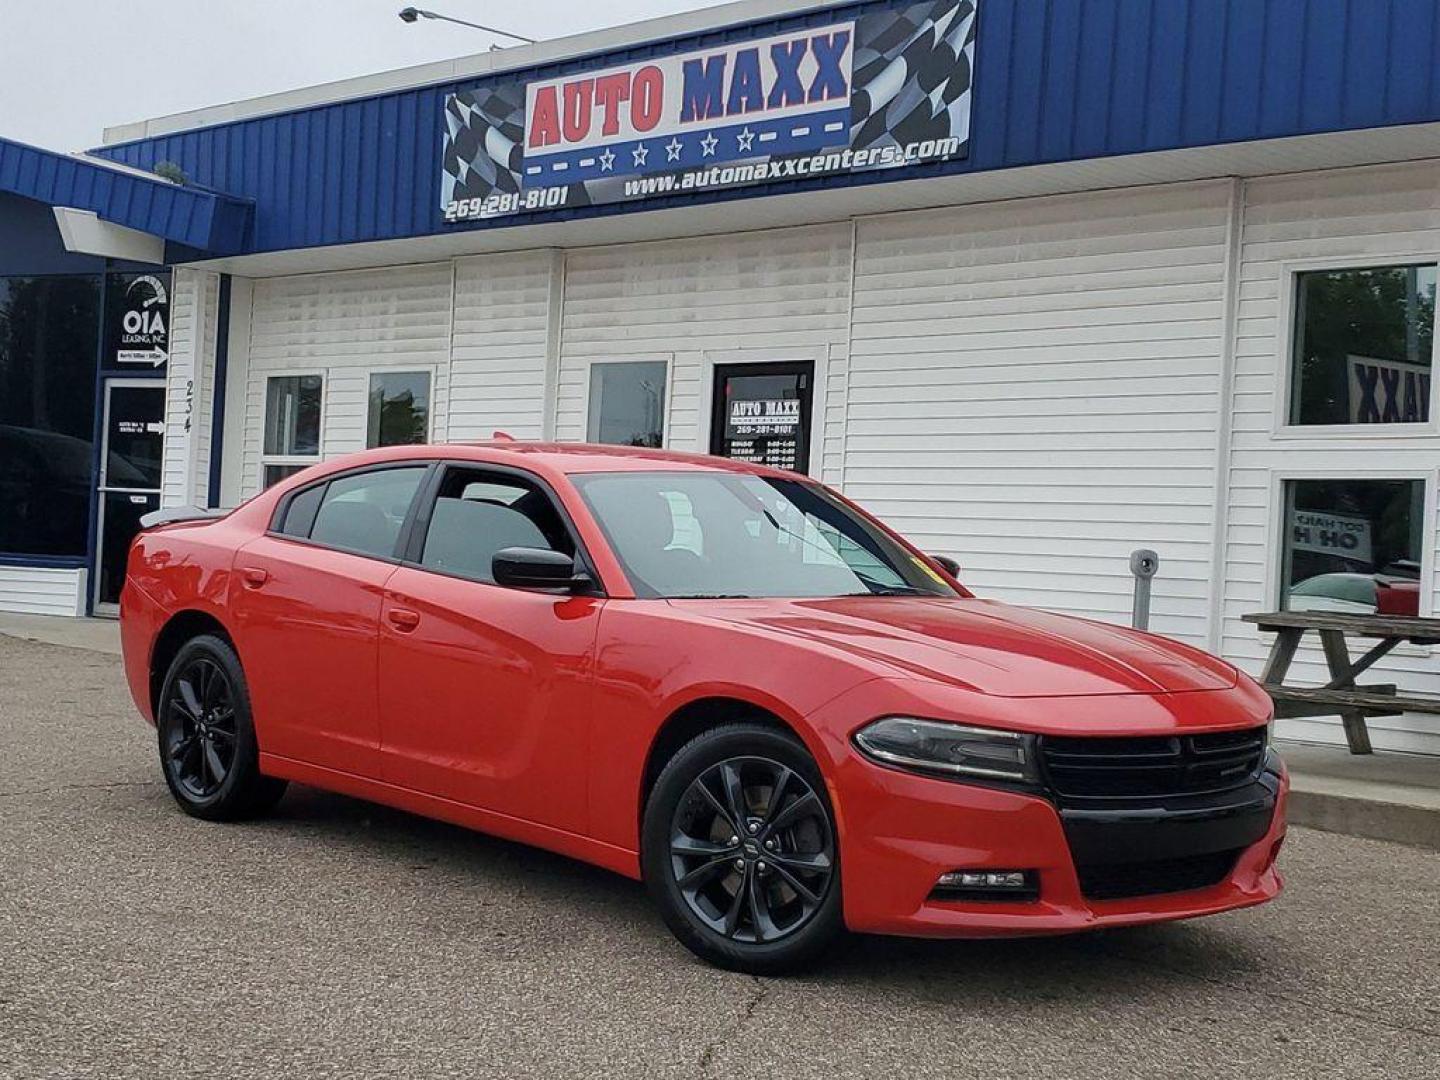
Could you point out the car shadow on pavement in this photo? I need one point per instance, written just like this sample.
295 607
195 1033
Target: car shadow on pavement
1099 964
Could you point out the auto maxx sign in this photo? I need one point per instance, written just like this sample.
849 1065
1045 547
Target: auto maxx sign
887 88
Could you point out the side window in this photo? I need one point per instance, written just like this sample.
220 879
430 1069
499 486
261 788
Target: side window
364 512
292 425
1364 346
1353 545
627 403
477 514
399 408
300 514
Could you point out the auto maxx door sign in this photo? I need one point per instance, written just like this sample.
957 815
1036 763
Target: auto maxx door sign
774 417
887 88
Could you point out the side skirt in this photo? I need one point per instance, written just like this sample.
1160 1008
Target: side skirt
611 857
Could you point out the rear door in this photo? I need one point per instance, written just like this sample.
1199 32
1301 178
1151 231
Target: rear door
485 691
307 596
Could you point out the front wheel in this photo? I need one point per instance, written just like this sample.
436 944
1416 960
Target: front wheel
739 850
207 741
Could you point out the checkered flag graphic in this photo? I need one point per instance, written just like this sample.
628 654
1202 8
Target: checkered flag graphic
485 131
912 74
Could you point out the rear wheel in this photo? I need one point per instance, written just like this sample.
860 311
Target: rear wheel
740 850
206 736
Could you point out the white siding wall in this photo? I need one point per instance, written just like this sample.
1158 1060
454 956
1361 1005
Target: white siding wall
749 297
505 325
346 326
1358 217
1033 389
190 388
34 590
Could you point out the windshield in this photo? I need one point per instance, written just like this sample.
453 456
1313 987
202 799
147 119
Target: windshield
712 534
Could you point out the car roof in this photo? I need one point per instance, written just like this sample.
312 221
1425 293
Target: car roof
568 458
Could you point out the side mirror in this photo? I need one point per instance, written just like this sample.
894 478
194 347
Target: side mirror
949 565
535 568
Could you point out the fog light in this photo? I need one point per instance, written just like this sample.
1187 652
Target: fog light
987 885
975 879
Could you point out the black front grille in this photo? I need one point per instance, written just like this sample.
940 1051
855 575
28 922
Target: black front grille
1151 766
1117 881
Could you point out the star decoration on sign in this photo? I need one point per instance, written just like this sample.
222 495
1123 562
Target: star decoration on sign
607 160
672 149
641 152
708 144
746 139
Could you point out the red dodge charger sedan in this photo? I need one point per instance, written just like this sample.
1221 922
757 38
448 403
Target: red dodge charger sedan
721 678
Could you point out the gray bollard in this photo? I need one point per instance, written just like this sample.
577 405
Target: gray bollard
1143 564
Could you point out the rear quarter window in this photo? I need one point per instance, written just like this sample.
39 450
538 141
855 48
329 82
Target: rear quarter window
299 516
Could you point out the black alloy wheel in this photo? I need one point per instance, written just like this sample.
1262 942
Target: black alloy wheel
751 849
200 728
740 850
208 750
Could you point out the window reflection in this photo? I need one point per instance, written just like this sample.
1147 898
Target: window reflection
1353 546
627 403
1364 341
292 415
399 408
49 328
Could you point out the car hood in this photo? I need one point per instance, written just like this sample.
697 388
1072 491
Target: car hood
985 646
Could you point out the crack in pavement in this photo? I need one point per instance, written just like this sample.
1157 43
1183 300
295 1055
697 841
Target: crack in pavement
707 1056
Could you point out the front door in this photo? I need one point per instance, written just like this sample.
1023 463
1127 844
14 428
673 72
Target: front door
485 690
761 413
130 453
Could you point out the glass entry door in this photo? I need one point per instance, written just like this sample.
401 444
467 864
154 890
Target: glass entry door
761 413
130 454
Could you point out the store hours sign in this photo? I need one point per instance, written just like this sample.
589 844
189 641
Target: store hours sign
888 88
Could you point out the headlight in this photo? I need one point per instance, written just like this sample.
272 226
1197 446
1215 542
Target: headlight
934 747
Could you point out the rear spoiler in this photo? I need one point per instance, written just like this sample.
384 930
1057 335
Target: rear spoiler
172 514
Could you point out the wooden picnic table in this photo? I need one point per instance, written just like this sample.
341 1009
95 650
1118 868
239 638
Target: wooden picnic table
1342 694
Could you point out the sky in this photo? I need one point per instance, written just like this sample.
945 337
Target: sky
70 68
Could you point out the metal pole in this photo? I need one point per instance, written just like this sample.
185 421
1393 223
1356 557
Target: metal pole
1143 564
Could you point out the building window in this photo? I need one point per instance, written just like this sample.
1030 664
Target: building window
292 424
1363 346
49 338
399 408
1353 546
627 403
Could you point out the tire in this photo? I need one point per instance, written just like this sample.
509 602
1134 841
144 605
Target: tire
770 901
206 735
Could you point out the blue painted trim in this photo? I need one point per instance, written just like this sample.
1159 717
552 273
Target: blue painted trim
1055 81
44 562
183 213
217 406
97 438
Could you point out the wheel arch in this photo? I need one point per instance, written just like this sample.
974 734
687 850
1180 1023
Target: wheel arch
181 627
698 715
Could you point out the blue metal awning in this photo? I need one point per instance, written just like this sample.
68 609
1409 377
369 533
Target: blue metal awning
204 220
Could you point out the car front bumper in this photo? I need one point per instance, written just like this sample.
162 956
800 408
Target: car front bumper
894 851
900 831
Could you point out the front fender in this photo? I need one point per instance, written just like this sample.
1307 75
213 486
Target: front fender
652 661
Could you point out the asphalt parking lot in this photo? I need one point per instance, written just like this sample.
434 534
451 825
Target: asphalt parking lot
340 939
